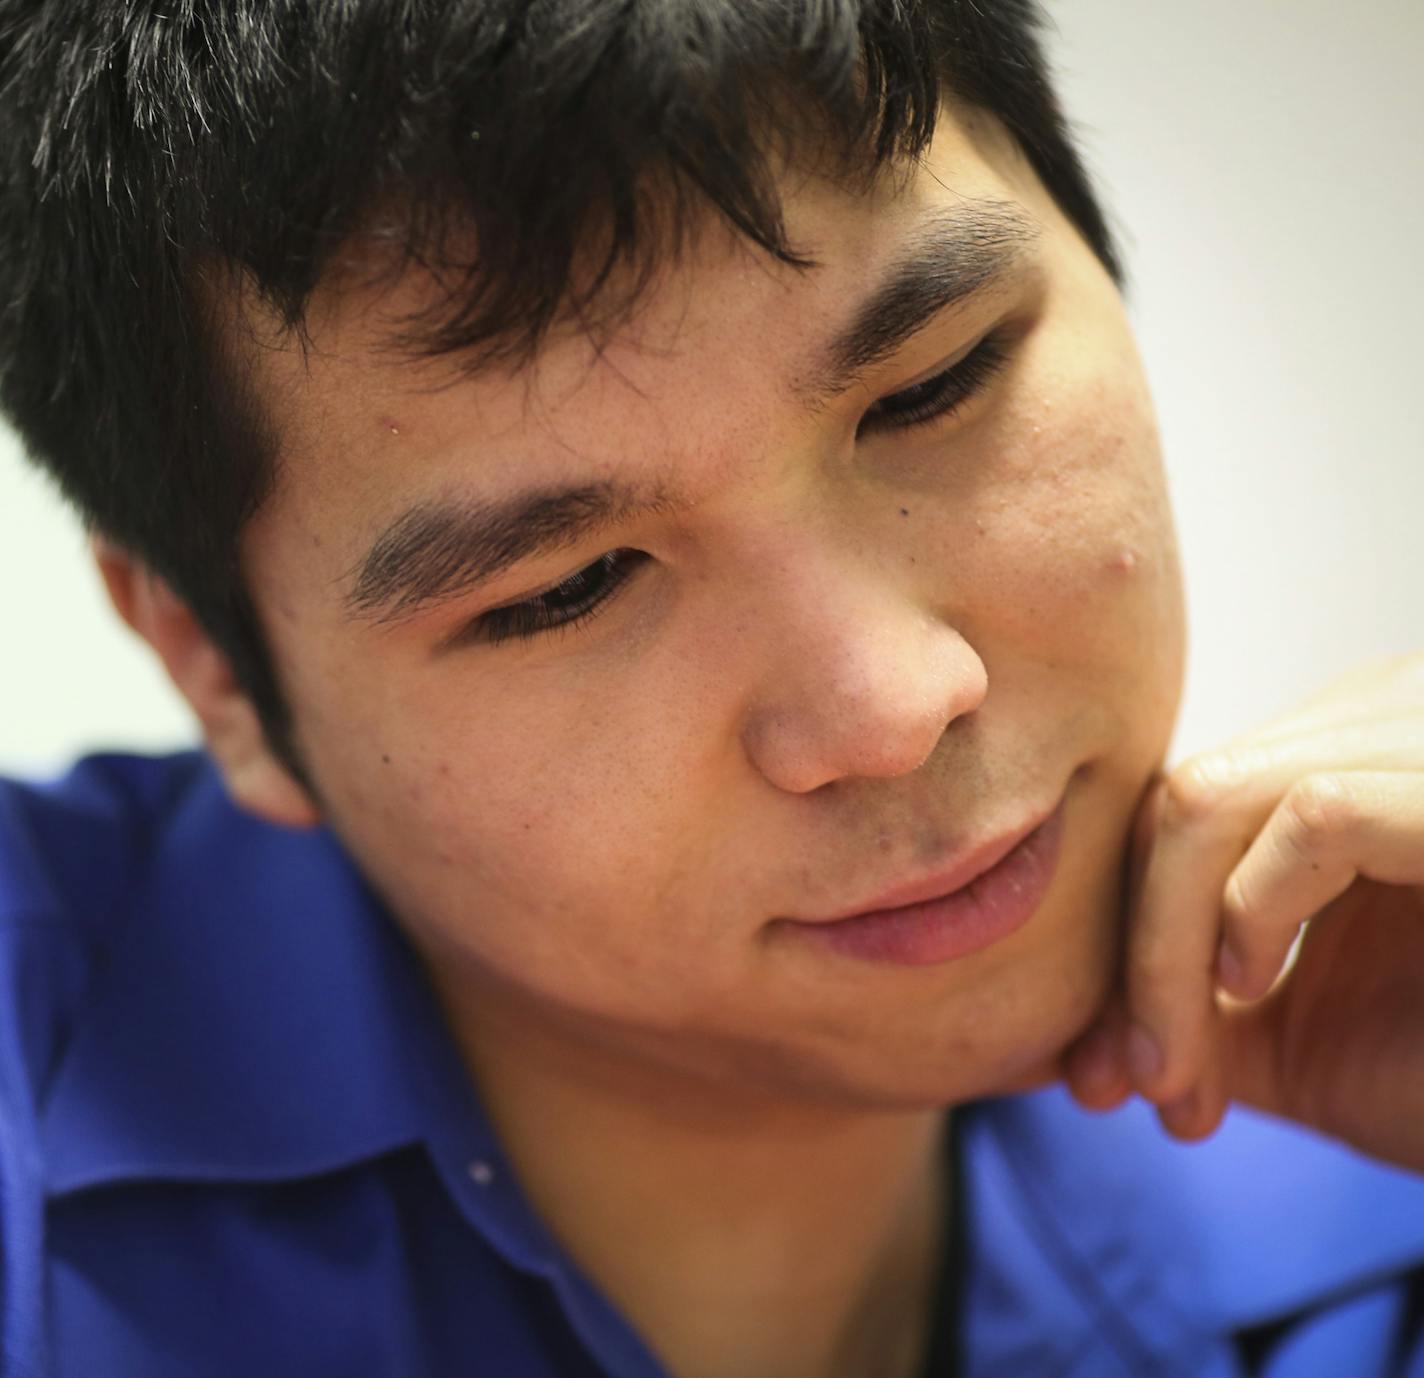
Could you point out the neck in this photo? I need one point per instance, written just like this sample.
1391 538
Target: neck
738 1233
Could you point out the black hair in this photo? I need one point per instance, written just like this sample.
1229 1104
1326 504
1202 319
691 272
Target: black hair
148 148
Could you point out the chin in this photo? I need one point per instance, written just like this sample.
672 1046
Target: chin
1013 1040
931 1073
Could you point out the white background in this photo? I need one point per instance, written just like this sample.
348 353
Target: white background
1263 161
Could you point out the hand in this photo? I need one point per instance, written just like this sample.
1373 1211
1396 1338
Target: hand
1316 820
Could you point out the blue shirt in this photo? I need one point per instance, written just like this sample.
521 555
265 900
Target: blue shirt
236 1140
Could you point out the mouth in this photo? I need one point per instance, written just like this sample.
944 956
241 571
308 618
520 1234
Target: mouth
985 894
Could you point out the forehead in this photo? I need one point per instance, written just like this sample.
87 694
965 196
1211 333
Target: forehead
717 342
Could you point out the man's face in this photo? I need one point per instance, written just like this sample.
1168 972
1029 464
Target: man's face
832 643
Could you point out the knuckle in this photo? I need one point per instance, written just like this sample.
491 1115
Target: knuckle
1239 905
1318 809
1198 787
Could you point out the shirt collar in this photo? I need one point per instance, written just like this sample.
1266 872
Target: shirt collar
248 1012
258 1017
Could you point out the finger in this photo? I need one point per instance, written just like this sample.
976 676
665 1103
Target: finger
1203 821
1380 704
1329 829
1354 736
1381 688
1095 1067
1349 1083
1198 1113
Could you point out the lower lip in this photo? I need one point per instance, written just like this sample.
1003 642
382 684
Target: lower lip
989 908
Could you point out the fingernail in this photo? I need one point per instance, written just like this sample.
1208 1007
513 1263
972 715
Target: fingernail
1229 970
1184 1107
1096 1059
1144 1057
1181 1113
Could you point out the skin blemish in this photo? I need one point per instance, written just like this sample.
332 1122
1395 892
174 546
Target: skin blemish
1124 562
385 760
904 511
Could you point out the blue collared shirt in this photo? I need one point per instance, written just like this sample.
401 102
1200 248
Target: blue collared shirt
236 1140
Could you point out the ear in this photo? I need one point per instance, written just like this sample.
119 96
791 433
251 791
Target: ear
256 779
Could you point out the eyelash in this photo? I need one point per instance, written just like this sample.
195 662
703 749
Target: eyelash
942 395
585 596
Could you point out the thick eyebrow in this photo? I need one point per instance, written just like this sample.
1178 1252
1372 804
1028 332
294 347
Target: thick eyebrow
954 253
438 549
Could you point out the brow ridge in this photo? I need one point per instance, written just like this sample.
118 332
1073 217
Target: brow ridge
440 548
437 549
955 253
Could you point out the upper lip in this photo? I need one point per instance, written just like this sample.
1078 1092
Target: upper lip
964 868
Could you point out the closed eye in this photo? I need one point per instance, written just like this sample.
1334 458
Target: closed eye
942 395
581 596
571 602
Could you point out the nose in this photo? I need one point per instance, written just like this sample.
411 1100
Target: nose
862 682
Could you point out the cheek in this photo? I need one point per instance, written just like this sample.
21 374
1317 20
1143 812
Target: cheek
1077 537
486 800
520 838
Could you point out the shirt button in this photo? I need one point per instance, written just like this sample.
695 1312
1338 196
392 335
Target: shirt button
481 1172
